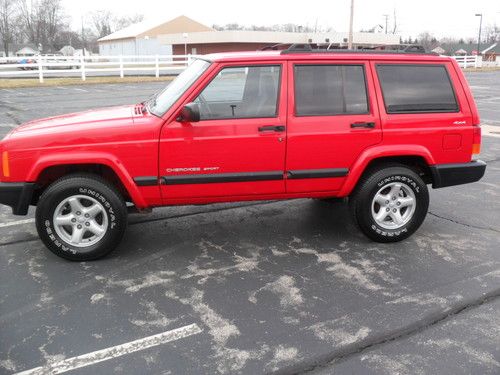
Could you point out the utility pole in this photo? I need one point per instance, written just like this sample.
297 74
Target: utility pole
386 21
83 40
479 36
349 43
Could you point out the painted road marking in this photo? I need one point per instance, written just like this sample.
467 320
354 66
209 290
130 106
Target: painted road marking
78 89
19 222
479 87
114 351
490 130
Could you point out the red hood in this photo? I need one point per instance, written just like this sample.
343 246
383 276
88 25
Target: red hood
79 119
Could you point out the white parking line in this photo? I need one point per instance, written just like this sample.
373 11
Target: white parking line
114 351
491 131
19 222
79 89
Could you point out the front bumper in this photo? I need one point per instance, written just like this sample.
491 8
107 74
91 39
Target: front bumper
17 195
444 175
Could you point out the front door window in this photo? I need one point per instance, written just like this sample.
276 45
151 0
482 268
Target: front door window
241 92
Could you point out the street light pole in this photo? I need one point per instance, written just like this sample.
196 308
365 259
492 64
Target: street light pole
479 36
349 44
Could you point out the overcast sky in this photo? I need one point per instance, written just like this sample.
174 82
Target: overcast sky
440 17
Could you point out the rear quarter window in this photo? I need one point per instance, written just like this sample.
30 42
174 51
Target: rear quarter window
416 88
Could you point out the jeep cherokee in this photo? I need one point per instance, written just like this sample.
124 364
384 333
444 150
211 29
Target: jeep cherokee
377 127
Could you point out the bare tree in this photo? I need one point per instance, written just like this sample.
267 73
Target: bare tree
102 21
42 21
491 34
7 12
124 21
427 40
287 27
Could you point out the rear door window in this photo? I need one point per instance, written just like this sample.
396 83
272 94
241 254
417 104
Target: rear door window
416 88
322 90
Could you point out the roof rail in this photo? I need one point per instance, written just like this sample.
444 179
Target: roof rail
274 47
383 49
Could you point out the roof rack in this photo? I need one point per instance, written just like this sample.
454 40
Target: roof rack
382 49
275 47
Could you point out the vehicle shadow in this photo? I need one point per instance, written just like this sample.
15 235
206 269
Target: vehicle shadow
262 223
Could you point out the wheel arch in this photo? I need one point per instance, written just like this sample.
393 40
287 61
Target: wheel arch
416 157
49 169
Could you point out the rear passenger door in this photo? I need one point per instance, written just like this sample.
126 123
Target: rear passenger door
333 117
424 103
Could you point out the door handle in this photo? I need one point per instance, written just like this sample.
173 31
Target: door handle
272 128
369 125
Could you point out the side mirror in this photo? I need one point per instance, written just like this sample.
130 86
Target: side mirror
189 113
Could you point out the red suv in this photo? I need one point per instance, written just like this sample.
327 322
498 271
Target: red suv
375 126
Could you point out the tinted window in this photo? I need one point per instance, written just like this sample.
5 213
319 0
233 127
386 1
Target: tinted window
411 88
241 92
330 90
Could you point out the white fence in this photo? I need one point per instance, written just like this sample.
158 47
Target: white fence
84 66
471 61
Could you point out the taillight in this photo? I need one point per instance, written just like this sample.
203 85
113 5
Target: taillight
476 140
5 164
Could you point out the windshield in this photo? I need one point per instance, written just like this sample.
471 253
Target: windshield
161 102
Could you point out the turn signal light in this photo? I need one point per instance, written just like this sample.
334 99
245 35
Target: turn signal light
476 140
476 149
5 164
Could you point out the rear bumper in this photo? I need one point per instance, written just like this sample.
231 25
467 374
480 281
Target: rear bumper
444 175
17 195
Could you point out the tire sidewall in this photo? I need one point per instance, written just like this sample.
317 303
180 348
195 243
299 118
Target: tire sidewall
80 186
381 179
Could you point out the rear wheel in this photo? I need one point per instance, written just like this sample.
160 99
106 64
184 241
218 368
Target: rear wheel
390 204
81 217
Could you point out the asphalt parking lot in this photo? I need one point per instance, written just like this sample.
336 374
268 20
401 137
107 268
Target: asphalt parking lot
260 287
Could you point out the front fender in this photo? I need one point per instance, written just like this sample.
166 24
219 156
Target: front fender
109 160
377 152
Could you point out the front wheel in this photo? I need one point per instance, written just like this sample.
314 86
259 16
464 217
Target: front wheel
81 217
390 204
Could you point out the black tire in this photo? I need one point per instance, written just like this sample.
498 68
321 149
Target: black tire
112 207
362 202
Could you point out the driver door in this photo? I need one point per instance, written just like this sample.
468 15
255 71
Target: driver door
237 149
